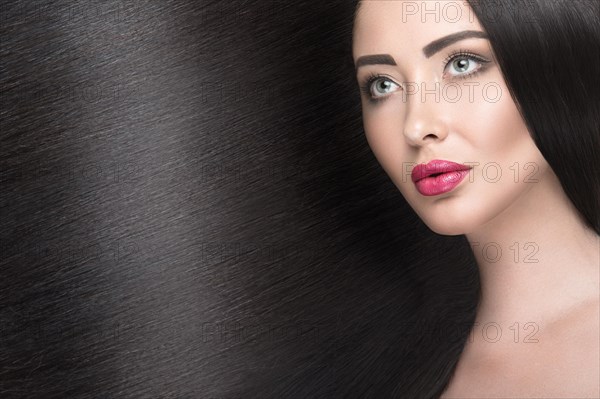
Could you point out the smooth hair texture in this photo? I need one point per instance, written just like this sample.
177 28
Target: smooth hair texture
190 210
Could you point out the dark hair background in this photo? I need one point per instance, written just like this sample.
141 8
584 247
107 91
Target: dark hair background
189 209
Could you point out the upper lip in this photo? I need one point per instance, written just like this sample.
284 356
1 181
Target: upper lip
435 166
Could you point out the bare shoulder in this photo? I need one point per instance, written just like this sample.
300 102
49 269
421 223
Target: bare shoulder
576 337
564 363
577 341
582 319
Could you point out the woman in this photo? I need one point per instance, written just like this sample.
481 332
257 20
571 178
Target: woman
185 215
480 120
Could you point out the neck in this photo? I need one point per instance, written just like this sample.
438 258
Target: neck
537 260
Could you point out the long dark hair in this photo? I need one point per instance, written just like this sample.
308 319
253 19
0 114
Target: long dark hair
189 209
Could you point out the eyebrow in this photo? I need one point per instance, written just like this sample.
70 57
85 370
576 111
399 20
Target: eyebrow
429 50
376 59
445 41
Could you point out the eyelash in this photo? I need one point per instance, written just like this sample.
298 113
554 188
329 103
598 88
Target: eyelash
365 87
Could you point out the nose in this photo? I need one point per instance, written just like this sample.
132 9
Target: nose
423 121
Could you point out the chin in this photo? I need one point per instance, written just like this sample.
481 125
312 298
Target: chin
446 230
447 226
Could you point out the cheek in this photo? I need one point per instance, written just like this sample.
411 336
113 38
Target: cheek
510 163
494 127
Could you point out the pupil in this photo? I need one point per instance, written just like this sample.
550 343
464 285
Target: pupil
462 64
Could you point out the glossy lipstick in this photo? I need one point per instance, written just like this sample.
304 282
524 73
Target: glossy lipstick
438 176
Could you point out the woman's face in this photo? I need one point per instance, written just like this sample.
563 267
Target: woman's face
442 99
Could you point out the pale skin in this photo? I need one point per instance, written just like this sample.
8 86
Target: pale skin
542 291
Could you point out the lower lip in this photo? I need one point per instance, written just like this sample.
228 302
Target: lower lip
441 184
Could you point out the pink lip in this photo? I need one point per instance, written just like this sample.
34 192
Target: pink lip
448 176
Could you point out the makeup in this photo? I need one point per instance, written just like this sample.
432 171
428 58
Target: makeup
438 176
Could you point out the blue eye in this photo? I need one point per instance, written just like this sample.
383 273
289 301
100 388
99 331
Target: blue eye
378 87
463 64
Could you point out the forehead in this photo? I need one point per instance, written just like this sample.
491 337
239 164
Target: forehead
389 26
